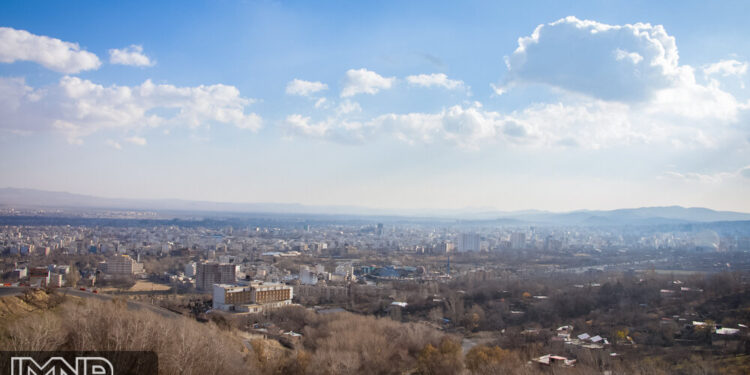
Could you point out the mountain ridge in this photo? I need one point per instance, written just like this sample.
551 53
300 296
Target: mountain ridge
34 198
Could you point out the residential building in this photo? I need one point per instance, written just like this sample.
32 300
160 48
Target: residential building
468 242
517 240
210 273
121 265
256 297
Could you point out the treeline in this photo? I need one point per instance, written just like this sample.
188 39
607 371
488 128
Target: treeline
331 344
341 343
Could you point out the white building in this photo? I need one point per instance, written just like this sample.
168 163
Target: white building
121 266
517 240
468 242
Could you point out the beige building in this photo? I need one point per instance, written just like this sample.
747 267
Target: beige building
121 266
251 298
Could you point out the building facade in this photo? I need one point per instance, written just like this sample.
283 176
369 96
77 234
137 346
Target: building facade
121 266
210 273
468 242
256 297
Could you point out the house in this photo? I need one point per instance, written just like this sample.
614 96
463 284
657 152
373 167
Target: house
550 360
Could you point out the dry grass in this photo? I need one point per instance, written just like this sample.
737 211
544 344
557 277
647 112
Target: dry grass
141 286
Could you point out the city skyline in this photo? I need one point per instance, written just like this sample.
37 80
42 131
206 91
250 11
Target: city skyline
388 105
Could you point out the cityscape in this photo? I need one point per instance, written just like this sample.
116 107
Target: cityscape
422 188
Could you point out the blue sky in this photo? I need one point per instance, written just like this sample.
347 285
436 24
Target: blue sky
552 105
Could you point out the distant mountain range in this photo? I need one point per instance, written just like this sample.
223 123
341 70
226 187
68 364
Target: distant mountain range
30 198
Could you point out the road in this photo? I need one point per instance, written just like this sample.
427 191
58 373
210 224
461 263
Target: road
10 291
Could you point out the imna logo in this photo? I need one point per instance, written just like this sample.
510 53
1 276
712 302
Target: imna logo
60 366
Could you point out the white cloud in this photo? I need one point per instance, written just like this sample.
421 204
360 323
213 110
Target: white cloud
332 128
132 55
582 123
321 103
726 68
611 62
140 141
467 127
634 57
53 54
617 86
434 80
304 126
78 107
347 106
304 88
363 81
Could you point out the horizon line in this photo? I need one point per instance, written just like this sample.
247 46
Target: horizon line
383 211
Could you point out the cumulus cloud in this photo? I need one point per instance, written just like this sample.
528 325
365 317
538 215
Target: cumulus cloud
132 55
621 85
347 106
466 127
340 130
304 125
584 123
304 88
610 62
434 80
363 81
726 68
53 54
78 107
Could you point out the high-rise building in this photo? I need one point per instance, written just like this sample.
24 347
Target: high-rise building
210 273
468 242
517 240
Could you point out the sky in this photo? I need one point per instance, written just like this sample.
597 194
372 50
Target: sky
553 105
